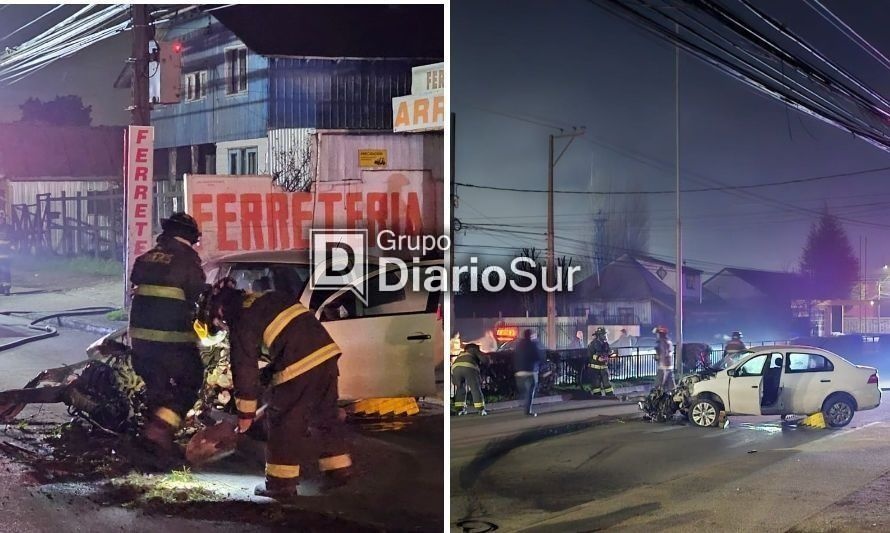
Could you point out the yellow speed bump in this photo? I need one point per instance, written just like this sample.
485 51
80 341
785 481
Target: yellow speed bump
815 420
384 406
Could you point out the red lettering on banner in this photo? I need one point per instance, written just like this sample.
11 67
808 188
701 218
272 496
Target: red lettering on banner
223 217
141 173
276 208
140 228
142 210
394 212
353 213
141 247
413 218
201 215
140 192
141 135
300 218
376 212
252 219
329 199
142 155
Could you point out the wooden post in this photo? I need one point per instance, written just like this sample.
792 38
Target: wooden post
195 154
65 235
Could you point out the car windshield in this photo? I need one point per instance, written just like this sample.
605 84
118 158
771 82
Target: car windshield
261 277
731 360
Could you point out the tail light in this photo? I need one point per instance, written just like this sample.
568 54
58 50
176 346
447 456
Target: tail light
873 379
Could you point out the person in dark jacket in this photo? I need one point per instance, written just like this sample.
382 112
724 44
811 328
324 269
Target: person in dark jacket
527 359
167 281
599 352
301 413
734 346
466 374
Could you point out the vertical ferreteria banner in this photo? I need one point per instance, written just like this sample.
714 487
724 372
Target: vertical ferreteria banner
138 195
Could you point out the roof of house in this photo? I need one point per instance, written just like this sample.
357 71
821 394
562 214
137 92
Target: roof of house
767 282
624 279
337 30
32 151
650 259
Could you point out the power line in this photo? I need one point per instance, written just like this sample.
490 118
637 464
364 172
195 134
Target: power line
671 191
848 32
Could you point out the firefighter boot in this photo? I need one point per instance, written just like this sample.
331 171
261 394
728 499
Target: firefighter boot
336 471
279 489
157 436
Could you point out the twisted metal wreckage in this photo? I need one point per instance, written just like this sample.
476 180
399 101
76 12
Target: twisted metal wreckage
105 391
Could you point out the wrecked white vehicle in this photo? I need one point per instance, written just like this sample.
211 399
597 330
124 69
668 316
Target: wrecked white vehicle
772 380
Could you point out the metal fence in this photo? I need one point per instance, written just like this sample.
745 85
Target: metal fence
88 223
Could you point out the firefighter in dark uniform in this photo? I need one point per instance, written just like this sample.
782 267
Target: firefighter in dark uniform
5 249
599 352
735 344
301 413
466 374
167 281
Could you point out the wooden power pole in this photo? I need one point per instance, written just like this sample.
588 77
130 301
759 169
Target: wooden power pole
140 113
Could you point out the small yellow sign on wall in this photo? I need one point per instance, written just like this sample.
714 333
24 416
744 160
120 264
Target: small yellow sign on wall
372 158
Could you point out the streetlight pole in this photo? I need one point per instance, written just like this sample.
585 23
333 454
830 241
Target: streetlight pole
551 254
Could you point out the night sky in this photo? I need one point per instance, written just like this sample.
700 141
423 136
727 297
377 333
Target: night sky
568 62
89 73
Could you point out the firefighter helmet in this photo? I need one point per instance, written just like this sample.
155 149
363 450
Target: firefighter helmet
600 332
220 302
736 334
182 225
660 330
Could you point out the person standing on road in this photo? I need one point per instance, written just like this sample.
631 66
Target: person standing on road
167 281
664 378
301 413
734 346
599 352
466 375
527 360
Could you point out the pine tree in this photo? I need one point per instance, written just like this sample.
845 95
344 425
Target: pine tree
828 262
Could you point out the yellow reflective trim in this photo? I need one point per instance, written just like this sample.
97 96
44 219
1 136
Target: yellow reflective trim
245 406
159 335
282 320
283 471
161 291
465 365
169 416
305 364
334 463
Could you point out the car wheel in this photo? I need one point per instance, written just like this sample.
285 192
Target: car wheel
704 413
838 411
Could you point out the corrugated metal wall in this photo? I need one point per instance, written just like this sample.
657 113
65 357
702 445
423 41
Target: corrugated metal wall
289 144
338 153
336 93
25 192
218 116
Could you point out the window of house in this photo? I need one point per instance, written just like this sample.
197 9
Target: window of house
243 161
236 70
195 85
626 315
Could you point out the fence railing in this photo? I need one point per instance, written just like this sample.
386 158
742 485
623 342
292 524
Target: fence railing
86 223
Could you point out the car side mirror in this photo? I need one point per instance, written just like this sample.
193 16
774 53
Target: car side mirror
731 373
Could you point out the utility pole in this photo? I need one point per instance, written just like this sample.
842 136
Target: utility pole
140 112
678 347
551 255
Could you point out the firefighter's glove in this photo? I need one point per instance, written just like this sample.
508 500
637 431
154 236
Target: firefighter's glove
244 425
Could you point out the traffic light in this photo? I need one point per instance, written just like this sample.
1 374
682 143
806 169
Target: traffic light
165 72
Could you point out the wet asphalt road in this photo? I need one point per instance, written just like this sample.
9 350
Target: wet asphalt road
548 475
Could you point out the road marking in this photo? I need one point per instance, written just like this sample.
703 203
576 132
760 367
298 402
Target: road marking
662 430
847 432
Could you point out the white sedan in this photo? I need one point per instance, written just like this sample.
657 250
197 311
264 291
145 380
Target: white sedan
785 380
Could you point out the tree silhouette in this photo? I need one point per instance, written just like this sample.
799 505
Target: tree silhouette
62 111
828 262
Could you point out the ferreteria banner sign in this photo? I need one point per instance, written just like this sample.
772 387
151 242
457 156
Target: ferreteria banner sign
139 172
249 213
424 108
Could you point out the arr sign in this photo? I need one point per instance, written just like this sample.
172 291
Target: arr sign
139 171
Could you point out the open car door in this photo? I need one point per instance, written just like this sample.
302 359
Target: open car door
391 345
746 386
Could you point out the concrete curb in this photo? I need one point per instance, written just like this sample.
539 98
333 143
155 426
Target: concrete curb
545 400
83 325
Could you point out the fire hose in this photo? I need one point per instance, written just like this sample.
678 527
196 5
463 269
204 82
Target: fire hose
47 331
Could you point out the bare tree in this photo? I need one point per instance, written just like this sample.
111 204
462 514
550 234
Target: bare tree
293 170
619 224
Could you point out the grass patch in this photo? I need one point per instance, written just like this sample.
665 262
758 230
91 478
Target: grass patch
89 265
118 315
176 487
